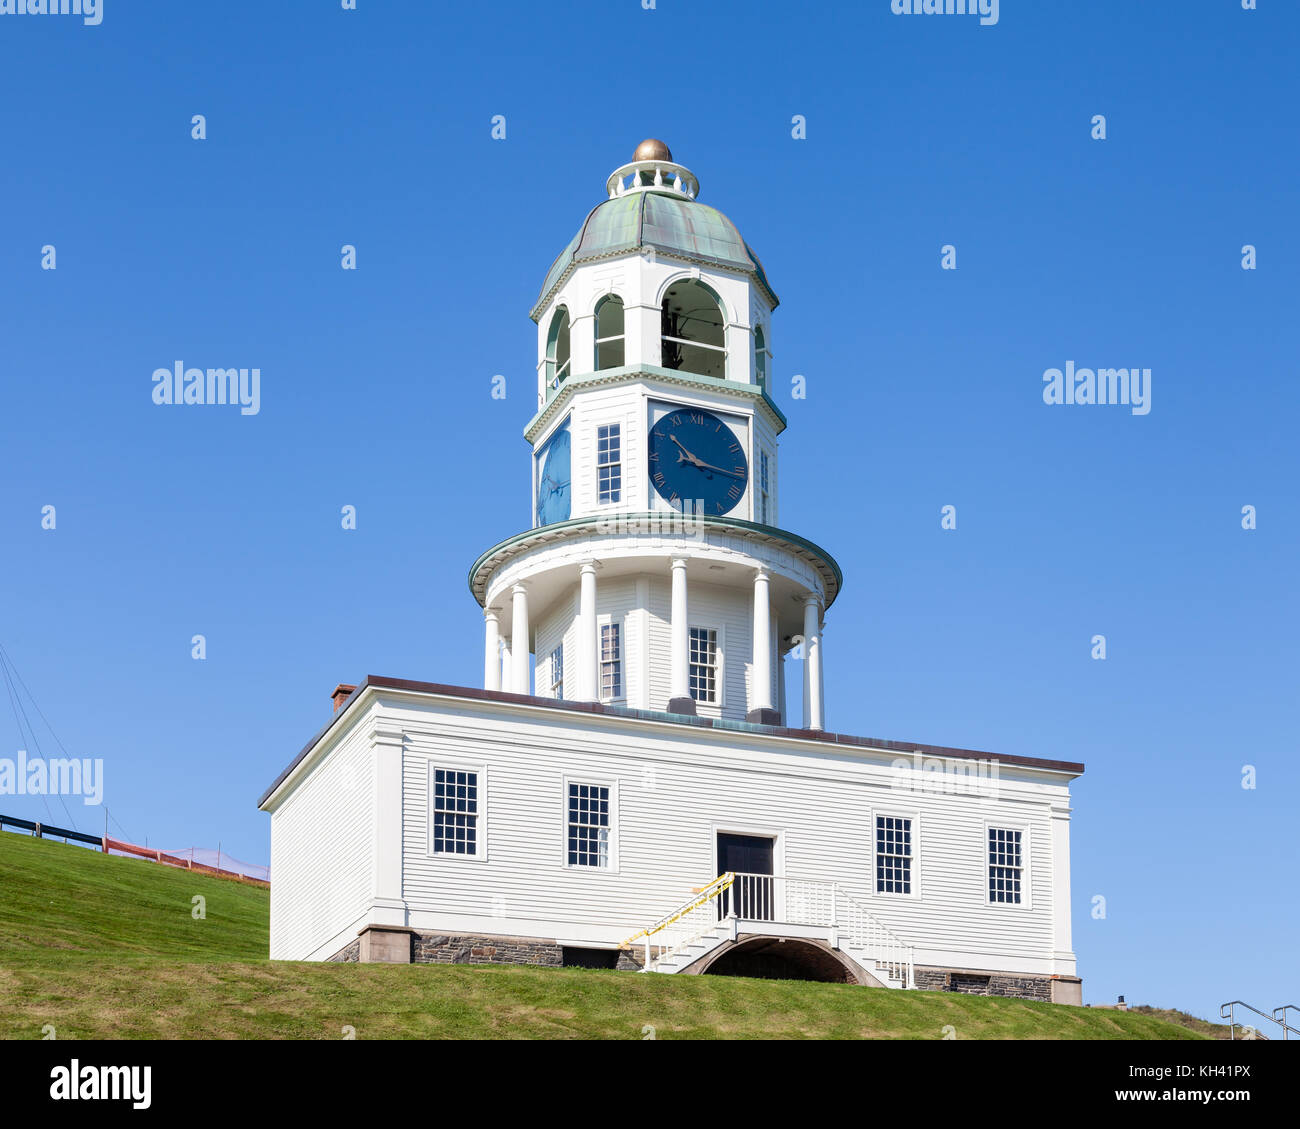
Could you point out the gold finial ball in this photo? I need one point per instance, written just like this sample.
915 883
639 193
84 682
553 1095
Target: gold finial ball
652 149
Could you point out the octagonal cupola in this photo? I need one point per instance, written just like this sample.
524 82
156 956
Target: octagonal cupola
654 277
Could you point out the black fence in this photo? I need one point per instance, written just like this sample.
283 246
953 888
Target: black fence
48 831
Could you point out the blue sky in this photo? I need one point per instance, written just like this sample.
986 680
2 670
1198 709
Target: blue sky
372 127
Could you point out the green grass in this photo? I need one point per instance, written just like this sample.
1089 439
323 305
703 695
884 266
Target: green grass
58 900
104 947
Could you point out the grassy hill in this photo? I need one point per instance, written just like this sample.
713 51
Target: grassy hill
106 947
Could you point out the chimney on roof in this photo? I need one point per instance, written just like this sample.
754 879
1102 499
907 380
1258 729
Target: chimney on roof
340 695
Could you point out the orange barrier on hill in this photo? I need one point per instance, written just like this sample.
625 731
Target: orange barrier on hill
111 845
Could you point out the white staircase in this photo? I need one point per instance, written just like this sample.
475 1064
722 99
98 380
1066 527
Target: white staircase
674 960
765 904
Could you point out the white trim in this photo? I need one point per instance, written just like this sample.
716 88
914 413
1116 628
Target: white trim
456 764
693 274
914 829
1026 875
598 781
777 835
720 670
606 619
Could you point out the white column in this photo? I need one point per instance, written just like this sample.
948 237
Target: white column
780 687
760 690
491 649
587 634
821 675
679 691
812 664
519 641
1063 951
387 906
639 649
507 666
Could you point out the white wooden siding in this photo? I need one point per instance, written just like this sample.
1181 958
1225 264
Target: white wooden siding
677 787
322 844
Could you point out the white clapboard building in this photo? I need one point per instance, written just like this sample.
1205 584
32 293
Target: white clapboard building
639 784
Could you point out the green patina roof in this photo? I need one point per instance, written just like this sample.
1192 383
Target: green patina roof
665 221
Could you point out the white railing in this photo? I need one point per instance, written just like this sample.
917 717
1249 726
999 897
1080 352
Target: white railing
862 931
679 927
640 175
787 901
796 901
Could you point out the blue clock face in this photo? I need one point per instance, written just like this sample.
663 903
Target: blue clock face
554 483
696 458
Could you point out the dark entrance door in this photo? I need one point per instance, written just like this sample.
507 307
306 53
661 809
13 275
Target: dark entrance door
750 857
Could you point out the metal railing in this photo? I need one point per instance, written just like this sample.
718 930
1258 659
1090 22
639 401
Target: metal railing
688 922
49 831
1229 1012
1282 1018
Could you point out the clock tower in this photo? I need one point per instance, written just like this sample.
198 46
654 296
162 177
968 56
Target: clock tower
656 574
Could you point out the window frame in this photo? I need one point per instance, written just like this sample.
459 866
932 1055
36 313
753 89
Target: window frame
719 677
557 684
616 501
914 818
1026 879
452 764
602 622
594 780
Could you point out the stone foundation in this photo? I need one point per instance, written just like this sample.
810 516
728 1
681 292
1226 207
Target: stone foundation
349 954
973 982
458 948
454 948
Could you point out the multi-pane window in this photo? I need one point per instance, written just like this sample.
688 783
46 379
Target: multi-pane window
704 664
609 463
611 662
588 825
1006 863
893 855
557 672
455 812
762 487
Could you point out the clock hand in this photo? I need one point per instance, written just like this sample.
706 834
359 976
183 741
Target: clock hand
685 452
729 473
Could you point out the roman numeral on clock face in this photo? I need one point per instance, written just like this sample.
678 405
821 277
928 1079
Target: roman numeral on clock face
733 493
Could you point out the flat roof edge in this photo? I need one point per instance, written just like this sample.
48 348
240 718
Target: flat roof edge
844 740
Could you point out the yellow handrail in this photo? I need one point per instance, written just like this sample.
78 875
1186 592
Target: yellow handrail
708 893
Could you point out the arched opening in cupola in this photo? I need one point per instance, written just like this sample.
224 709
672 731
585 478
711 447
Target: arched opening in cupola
760 358
694 330
557 351
610 351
